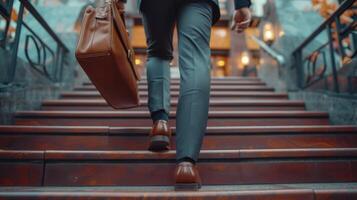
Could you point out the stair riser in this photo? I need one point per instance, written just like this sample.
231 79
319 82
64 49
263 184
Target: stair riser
333 194
175 98
285 194
213 82
176 93
227 195
211 142
219 79
146 173
21 173
82 196
176 86
238 89
144 122
225 94
212 108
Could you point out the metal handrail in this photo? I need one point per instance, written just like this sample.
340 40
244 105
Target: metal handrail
270 51
61 49
43 22
344 6
333 27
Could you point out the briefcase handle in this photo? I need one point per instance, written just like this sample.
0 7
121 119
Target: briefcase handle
120 6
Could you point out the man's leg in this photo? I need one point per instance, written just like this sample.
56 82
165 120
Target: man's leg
159 18
194 30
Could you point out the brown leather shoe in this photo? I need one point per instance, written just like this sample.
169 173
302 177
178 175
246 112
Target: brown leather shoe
187 177
160 136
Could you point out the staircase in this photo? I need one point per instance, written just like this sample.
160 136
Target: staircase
258 145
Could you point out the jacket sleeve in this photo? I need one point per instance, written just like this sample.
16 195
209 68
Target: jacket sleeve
241 3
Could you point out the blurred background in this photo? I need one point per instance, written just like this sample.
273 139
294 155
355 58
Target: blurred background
292 45
233 54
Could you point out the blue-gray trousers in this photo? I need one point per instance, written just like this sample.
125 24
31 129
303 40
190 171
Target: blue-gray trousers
193 19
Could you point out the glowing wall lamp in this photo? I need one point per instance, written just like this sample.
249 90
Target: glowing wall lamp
221 63
268 33
137 61
245 59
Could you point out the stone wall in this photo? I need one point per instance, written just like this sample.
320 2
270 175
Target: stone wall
342 110
30 87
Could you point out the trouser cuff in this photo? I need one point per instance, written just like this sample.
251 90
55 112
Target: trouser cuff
159 115
186 159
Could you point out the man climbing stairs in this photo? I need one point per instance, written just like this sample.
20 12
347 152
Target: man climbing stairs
258 145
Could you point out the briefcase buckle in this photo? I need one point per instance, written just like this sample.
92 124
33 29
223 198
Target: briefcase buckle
130 54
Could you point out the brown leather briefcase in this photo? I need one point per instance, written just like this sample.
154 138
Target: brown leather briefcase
105 54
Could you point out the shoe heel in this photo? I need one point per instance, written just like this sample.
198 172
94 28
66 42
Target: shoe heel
187 186
159 143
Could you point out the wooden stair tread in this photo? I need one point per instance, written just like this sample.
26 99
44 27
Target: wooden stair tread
228 192
222 95
226 78
144 79
227 195
141 114
175 93
21 155
219 78
338 186
214 82
215 105
142 118
233 87
213 88
135 168
99 102
169 156
20 129
136 138
205 154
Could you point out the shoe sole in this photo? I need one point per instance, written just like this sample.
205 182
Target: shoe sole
159 143
187 186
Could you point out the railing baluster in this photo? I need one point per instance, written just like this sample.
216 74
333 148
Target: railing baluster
61 65
57 63
338 34
333 60
299 69
13 62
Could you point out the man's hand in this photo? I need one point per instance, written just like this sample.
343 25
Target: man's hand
241 19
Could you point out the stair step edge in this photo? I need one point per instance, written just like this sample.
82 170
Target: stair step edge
170 155
135 114
275 190
23 129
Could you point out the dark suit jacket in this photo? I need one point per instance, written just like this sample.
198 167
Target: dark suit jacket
216 13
